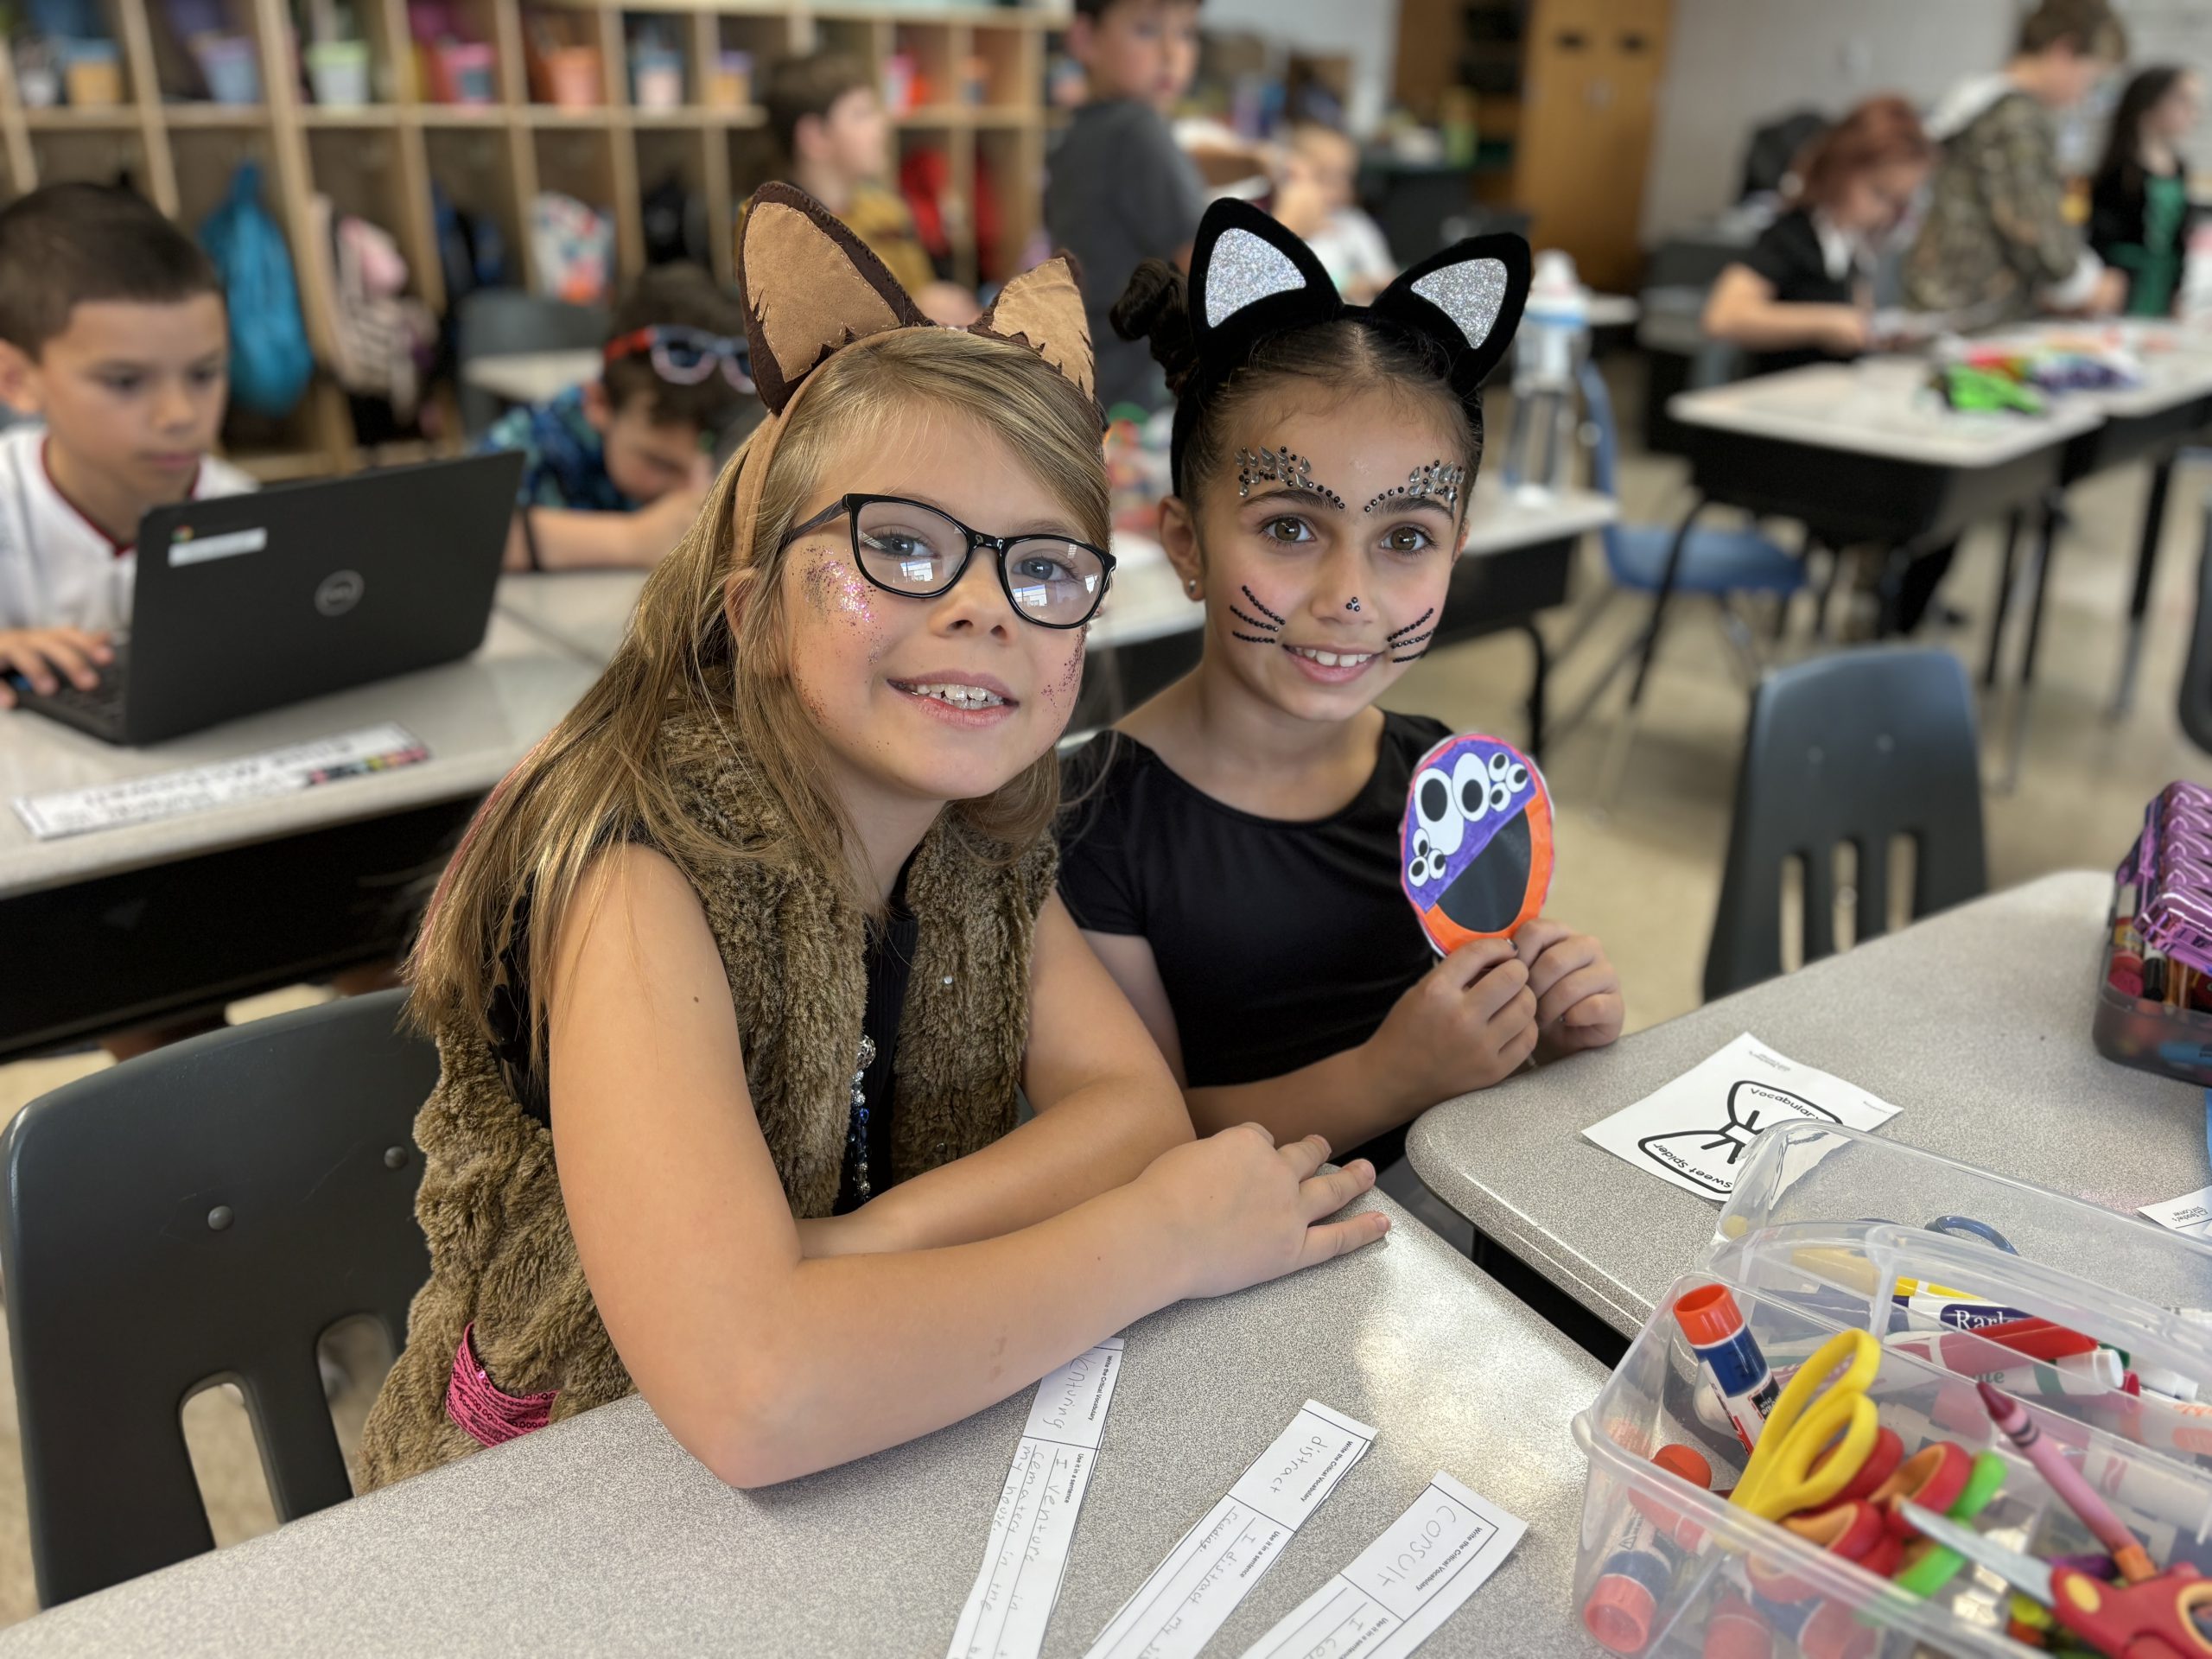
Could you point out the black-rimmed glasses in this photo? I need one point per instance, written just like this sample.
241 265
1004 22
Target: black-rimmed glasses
917 551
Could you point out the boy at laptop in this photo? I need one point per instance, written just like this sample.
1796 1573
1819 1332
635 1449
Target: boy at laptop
615 470
114 338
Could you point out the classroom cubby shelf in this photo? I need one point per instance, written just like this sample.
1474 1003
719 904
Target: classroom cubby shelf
977 75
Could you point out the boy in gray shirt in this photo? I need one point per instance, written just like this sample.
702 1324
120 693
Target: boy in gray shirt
1119 191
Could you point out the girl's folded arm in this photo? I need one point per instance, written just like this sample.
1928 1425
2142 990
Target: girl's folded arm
764 1364
1106 1106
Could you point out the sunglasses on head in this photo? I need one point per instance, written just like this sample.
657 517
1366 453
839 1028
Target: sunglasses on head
684 356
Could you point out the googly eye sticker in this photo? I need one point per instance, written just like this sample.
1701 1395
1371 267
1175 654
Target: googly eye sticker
1475 853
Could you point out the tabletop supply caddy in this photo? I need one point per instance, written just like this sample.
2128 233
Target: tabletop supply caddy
1874 1269
2154 998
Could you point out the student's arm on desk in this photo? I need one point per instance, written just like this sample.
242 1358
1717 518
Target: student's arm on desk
1468 1022
570 540
766 1363
45 656
1105 1108
1743 311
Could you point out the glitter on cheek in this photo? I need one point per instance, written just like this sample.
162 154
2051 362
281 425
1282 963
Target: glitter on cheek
1061 691
833 586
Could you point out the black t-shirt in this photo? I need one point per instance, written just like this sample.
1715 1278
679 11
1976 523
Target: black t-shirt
890 963
1279 943
1789 255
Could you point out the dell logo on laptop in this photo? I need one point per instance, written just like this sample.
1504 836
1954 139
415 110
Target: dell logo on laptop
340 592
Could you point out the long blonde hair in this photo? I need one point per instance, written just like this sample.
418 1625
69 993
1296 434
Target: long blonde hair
710 639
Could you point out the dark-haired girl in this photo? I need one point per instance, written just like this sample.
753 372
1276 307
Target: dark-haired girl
2139 211
1232 849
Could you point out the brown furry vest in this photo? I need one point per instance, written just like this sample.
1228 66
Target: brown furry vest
501 1254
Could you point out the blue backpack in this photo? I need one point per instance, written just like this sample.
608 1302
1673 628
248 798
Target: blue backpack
270 360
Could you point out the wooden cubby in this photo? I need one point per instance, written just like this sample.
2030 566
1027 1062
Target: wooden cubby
976 97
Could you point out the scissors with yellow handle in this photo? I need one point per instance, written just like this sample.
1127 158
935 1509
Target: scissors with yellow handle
1825 1399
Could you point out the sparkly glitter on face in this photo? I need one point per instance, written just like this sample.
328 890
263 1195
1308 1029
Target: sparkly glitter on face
1281 467
1438 481
1469 293
1242 269
833 587
1061 691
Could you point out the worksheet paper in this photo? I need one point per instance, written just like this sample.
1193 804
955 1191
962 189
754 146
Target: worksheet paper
167 794
1218 1561
1404 1584
1027 1554
1694 1131
2190 1214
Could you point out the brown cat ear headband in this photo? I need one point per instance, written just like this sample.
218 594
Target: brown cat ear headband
810 288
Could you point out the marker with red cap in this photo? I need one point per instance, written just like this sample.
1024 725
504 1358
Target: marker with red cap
1641 1556
1714 1326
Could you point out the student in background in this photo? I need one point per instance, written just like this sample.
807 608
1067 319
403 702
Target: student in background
1118 191
829 120
761 944
2139 211
1997 242
1232 849
1315 197
113 334
1801 293
613 470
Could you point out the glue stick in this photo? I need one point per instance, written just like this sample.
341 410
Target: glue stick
1726 1352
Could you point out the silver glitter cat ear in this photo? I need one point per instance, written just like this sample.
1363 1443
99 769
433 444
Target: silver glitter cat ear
1250 276
1467 298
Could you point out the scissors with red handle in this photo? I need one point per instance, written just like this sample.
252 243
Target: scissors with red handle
2163 1618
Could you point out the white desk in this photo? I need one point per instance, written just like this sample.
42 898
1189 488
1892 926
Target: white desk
601 1535
531 377
140 920
1878 407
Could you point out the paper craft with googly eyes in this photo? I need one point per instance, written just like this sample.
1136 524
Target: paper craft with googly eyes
1475 854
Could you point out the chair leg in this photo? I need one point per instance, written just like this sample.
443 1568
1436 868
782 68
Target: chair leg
1585 624
1827 593
1624 731
2003 601
1539 673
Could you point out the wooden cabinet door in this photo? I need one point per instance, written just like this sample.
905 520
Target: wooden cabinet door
1590 90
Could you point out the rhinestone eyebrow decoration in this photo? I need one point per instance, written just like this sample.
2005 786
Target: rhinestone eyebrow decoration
1283 467
1438 481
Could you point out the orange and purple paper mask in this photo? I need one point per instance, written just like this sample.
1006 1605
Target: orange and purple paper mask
1475 855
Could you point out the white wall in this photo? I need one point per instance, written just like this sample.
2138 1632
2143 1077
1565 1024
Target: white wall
1366 29
1733 65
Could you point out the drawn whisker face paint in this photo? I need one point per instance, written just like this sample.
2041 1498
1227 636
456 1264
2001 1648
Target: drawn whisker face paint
1476 846
1395 632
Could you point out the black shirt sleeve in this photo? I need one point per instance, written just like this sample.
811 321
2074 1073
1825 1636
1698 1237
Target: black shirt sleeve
1788 255
1099 882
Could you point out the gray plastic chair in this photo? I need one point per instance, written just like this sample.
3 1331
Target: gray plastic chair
1858 747
206 1212
497 320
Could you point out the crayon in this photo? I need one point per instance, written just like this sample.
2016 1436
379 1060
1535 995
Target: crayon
2011 1418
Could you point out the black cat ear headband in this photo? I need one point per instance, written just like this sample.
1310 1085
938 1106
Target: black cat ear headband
1250 279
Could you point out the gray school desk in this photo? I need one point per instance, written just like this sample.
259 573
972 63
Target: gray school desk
1517 561
531 377
601 1536
154 921
1975 1023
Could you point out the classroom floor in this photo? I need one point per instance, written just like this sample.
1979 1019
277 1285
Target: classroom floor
1644 877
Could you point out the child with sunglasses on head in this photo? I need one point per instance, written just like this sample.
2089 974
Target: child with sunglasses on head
760 944
1231 850
614 470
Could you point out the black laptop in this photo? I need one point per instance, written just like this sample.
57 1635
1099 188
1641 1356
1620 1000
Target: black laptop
247 602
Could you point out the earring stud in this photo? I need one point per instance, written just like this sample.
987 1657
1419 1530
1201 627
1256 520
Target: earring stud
1191 585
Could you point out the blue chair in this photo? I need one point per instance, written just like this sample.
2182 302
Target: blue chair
1720 563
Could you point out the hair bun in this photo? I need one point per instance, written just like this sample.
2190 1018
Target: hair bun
1156 308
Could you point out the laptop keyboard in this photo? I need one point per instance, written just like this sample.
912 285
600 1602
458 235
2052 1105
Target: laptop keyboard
104 702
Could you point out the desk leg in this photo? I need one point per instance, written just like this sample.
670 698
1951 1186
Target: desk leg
2146 564
2046 547
1539 669
1625 730
2003 602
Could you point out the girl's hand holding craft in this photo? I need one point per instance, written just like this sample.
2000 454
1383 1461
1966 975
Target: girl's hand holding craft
1468 1023
1578 990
